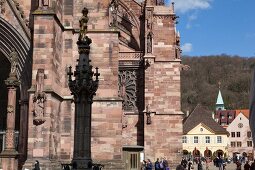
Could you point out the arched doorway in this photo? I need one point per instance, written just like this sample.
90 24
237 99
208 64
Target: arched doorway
11 39
208 153
218 153
4 73
196 153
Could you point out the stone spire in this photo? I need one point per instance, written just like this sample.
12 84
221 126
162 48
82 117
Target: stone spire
219 102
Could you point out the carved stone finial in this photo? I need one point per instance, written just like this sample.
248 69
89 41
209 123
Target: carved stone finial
173 7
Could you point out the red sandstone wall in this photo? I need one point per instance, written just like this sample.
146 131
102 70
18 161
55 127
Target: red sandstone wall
162 138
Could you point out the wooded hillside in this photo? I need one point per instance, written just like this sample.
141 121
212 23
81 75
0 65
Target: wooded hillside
200 84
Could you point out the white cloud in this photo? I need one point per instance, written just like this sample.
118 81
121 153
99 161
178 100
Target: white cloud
187 47
191 18
183 6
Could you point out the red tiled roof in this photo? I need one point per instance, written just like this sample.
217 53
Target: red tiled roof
245 112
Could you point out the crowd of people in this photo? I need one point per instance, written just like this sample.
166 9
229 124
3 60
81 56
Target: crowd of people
160 164
187 164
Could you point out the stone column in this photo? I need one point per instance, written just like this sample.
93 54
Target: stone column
83 87
9 154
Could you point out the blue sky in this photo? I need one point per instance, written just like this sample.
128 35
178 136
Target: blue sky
211 27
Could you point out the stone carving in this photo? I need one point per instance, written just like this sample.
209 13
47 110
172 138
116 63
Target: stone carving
124 121
125 17
10 109
10 117
39 99
177 46
127 89
9 143
149 20
44 3
184 67
2 6
83 25
20 11
130 56
113 13
149 43
160 2
13 58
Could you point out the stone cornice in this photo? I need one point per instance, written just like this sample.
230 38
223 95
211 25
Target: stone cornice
107 99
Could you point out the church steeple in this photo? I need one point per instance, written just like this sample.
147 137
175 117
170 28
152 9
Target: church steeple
220 102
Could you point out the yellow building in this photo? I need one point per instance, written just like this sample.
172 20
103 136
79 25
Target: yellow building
202 136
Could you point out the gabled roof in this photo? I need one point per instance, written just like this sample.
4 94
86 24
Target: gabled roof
219 99
245 112
201 115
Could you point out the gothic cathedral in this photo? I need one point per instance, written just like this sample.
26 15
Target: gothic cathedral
136 112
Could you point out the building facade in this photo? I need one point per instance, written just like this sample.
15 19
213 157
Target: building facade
136 113
240 139
202 136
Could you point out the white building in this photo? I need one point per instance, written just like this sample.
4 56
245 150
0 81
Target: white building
202 136
240 139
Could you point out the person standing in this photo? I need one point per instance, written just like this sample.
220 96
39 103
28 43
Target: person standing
247 166
220 163
184 162
190 164
252 165
238 165
199 165
143 165
207 161
148 165
157 166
